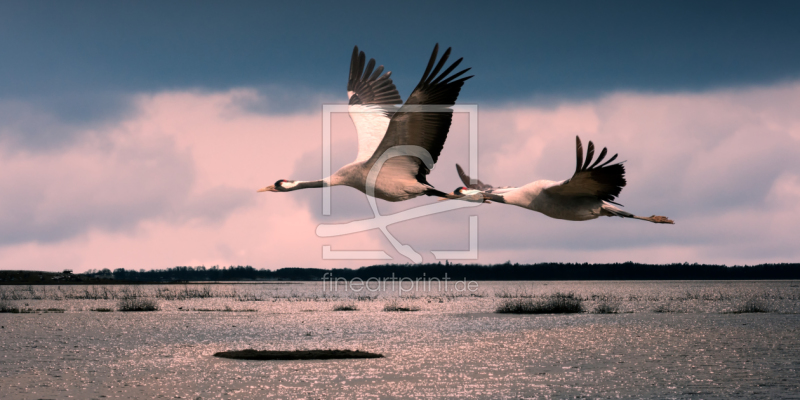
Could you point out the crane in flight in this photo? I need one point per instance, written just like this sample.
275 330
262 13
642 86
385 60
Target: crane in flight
588 194
422 123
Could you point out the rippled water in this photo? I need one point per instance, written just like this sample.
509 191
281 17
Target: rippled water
671 340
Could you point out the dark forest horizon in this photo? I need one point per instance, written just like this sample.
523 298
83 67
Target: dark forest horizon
478 272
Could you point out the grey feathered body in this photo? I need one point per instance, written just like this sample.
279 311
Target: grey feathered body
533 196
394 183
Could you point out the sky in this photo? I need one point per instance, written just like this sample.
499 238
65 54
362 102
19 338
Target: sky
135 134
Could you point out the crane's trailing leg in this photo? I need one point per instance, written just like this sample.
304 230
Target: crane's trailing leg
616 212
656 219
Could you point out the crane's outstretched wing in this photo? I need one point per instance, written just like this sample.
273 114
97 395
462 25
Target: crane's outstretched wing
478 185
483 187
373 101
603 181
425 118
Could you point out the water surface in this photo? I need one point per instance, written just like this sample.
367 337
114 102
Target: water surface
671 340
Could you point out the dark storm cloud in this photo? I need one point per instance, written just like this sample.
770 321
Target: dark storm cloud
518 49
58 119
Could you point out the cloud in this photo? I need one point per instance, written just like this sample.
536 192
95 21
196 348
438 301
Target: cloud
145 167
55 121
721 164
274 99
173 183
109 182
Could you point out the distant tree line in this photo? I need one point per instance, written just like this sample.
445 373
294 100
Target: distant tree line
477 272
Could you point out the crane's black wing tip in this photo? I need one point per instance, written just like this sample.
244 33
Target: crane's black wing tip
368 84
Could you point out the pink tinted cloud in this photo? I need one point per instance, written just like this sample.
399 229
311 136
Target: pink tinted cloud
175 184
722 164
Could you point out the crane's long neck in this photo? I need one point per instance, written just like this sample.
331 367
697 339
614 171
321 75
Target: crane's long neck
494 197
297 185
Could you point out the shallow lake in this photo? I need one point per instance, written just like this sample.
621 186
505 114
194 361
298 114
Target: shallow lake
668 339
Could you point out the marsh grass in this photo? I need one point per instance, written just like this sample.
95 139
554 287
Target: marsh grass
395 306
345 307
713 299
516 293
450 296
752 306
137 304
90 293
604 307
185 292
226 309
248 297
556 303
665 308
8 307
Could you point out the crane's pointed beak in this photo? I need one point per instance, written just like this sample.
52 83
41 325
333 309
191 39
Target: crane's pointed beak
270 188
